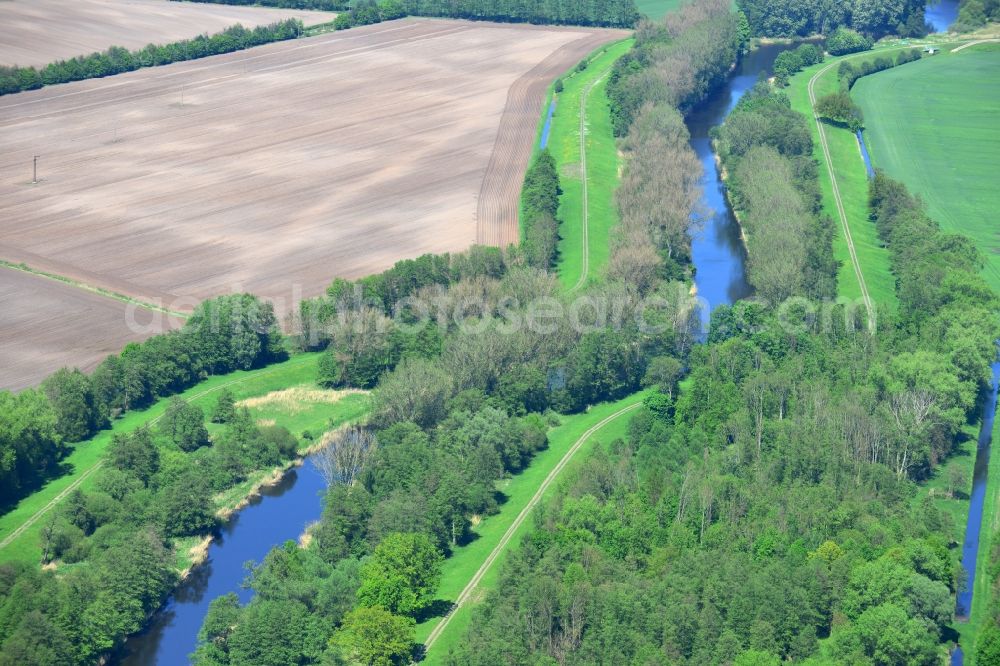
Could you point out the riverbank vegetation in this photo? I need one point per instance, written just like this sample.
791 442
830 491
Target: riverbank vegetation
158 489
117 60
677 62
450 424
673 65
795 18
222 335
766 148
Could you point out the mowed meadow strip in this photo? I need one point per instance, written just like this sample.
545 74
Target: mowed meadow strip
297 398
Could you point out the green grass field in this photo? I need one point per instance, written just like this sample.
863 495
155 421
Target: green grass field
852 179
657 9
934 125
602 167
465 561
298 371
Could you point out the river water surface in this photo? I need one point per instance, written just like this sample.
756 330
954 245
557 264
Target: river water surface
942 14
279 514
717 250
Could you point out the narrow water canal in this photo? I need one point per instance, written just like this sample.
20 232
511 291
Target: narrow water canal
974 523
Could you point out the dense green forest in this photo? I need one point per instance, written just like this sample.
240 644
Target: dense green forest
973 14
114 543
801 18
769 509
117 59
606 13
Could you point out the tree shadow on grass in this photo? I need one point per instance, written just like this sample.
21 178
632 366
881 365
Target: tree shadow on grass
437 608
839 124
467 538
34 484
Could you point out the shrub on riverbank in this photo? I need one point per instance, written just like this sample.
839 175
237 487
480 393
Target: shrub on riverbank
845 40
766 148
224 334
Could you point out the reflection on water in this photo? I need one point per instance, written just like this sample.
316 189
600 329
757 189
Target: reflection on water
942 14
547 130
717 250
279 514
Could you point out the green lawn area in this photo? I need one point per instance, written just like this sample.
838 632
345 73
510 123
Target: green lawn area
657 9
933 124
465 561
602 166
300 370
852 179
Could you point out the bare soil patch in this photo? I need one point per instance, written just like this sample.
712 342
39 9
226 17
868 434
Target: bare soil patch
37 32
47 325
276 169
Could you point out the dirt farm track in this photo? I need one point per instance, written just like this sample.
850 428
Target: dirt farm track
276 169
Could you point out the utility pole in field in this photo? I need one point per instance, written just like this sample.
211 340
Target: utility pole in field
34 170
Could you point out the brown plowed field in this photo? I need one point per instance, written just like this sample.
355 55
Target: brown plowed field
37 32
276 169
500 193
46 325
